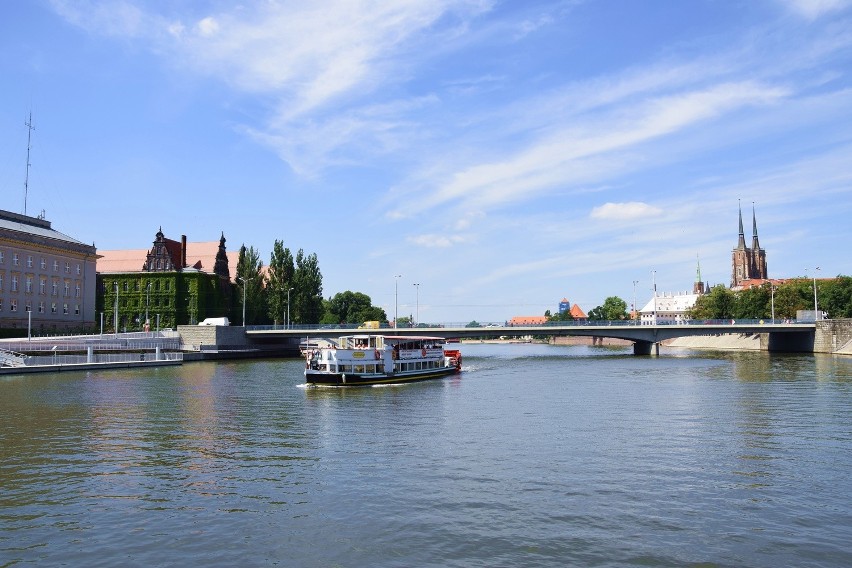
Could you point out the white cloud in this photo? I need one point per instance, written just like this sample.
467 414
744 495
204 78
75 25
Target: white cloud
208 26
813 9
624 211
436 241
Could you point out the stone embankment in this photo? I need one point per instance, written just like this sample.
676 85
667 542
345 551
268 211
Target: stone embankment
831 336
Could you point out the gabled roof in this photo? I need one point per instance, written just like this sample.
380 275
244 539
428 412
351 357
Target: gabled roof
576 312
199 256
527 320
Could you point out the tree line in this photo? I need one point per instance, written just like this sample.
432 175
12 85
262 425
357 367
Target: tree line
289 290
833 296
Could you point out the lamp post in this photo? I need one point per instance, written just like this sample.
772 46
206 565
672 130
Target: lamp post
635 311
243 280
147 302
115 314
417 304
396 300
287 320
654 281
816 305
772 295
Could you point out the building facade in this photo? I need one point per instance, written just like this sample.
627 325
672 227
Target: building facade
47 279
748 263
172 283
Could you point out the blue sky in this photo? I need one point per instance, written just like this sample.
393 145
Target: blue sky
502 155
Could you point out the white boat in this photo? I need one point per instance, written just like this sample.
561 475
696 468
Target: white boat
370 359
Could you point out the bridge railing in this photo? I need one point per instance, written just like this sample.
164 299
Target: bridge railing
359 327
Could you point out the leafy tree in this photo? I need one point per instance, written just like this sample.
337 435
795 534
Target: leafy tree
404 321
473 323
718 304
835 297
352 307
614 308
753 303
250 283
564 316
307 305
279 280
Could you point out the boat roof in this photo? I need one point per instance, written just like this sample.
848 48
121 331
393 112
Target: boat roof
397 337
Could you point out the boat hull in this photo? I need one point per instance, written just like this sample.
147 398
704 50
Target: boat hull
359 379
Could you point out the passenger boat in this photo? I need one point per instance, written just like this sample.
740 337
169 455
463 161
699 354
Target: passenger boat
380 359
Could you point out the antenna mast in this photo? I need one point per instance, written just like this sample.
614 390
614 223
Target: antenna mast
30 128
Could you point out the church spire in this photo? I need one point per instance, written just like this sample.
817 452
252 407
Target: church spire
741 241
755 245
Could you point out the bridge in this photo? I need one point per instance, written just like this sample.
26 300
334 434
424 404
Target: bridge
782 336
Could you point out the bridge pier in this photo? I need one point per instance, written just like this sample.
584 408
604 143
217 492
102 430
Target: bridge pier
644 347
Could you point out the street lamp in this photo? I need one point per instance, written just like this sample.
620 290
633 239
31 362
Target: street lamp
417 309
396 300
243 280
635 312
147 302
115 314
816 306
287 322
654 280
772 295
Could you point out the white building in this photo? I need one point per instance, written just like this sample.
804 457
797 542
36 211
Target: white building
668 308
44 275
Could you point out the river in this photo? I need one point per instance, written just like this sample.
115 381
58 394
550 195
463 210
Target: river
534 455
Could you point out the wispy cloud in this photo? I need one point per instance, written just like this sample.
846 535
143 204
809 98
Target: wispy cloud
624 211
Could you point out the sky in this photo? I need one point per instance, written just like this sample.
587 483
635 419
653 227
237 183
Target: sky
455 160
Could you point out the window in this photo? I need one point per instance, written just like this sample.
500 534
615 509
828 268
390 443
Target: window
67 289
13 305
79 269
29 285
55 287
41 307
29 261
55 265
77 291
43 263
53 307
168 285
15 258
65 309
1 280
77 309
67 267
29 306
42 284
2 257
14 283
1 304
125 285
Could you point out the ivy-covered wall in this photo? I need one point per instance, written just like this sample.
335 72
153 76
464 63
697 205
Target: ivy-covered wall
167 298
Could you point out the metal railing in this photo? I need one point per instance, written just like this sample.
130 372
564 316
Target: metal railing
42 360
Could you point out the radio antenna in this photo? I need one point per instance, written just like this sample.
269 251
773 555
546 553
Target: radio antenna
30 128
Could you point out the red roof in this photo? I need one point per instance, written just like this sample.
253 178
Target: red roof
200 256
527 320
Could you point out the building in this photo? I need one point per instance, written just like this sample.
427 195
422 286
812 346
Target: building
575 310
47 279
673 307
172 283
747 263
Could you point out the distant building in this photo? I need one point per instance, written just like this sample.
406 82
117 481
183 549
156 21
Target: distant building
172 283
528 320
575 310
747 263
673 307
47 279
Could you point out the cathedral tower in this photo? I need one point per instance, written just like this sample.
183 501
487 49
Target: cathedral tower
748 263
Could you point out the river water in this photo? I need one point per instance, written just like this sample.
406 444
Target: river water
534 455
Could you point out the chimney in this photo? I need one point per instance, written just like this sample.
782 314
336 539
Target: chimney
182 252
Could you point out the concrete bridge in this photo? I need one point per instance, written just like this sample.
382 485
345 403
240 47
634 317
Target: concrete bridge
780 337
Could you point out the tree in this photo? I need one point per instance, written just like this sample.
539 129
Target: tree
307 305
753 303
835 297
614 308
250 285
718 304
279 280
353 307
